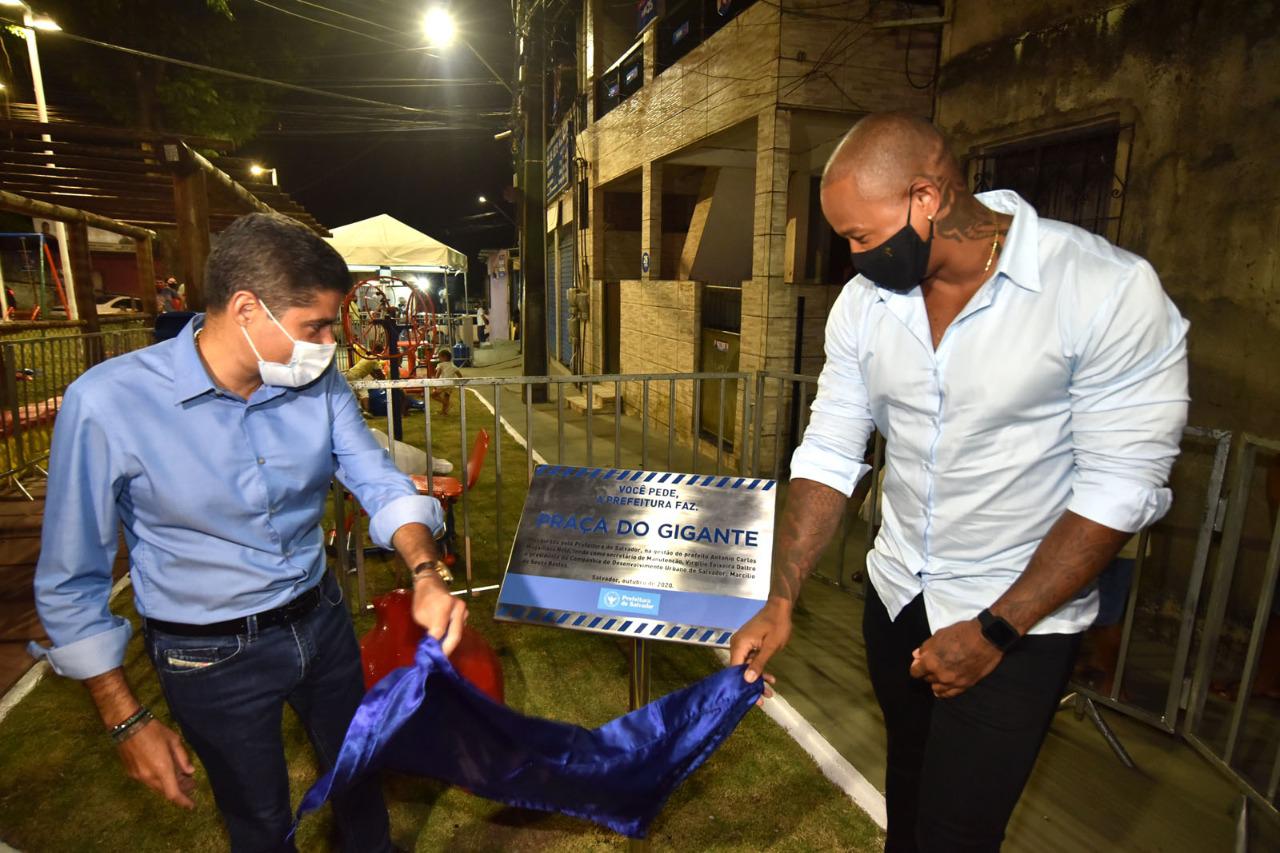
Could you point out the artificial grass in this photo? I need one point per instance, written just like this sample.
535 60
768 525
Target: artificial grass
62 787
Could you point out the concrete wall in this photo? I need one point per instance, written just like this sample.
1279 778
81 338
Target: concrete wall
659 328
724 249
1198 82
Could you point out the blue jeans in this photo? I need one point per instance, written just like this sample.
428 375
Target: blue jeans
228 693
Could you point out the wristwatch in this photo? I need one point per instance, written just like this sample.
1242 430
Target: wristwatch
439 567
998 632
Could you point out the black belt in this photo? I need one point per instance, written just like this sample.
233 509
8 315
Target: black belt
282 615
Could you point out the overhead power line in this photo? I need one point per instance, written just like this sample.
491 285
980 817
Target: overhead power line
284 11
248 78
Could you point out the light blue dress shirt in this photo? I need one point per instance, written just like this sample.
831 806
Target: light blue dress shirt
220 499
1062 385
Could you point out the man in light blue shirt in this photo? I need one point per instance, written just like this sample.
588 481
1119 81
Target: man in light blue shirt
214 452
1030 381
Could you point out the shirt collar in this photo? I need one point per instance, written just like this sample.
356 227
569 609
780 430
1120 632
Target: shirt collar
1020 260
190 379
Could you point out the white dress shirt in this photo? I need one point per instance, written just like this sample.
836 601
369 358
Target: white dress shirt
1062 385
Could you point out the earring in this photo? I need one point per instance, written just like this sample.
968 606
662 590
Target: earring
929 217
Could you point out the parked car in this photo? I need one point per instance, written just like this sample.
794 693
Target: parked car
108 303
116 304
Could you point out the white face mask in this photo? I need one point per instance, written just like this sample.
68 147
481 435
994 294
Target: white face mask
305 365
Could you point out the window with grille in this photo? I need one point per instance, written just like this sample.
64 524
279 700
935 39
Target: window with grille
1076 177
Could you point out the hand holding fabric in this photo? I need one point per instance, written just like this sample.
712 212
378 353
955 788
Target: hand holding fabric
426 720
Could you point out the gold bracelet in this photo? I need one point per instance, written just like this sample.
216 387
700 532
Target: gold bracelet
440 568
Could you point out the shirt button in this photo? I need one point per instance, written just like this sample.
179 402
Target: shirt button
261 461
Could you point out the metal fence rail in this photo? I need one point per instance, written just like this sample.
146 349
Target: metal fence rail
1228 734
34 374
1182 595
652 421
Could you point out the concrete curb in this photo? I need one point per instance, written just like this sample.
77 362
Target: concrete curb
832 764
506 425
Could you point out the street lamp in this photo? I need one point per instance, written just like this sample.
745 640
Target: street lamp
258 171
44 22
32 21
485 201
439 27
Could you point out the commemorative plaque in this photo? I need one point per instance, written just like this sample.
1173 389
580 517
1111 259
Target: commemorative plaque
646 554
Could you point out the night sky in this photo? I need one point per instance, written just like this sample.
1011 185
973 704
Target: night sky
426 170
428 179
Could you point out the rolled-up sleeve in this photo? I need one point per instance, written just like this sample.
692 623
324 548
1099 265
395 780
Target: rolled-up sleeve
1128 405
78 546
835 440
385 492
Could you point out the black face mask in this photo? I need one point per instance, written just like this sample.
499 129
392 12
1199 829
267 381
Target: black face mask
899 263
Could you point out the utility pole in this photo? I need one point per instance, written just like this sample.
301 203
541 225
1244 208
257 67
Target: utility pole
531 118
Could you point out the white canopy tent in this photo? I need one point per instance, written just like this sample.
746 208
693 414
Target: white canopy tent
383 241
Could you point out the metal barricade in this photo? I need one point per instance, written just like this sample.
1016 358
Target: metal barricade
631 421
34 374
1151 673
1239 630
774 439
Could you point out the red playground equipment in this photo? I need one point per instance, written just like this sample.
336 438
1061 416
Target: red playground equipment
392 641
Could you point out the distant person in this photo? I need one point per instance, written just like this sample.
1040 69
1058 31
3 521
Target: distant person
445 369
482 325
362 369
12 299
376 402
175 293
165 296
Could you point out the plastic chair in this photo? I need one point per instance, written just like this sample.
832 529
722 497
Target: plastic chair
448 490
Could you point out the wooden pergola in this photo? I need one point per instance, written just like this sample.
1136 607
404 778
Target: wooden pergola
129 182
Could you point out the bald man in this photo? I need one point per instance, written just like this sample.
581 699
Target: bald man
1030 381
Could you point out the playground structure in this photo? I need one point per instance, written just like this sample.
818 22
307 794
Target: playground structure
28 268
388 319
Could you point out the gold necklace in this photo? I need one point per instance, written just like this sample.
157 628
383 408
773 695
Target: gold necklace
995 244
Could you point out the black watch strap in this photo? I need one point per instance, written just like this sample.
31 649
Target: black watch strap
998 632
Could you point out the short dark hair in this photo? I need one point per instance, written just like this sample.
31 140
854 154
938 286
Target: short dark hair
276 258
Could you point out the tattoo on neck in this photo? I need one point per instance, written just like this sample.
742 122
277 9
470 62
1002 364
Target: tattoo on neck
959 217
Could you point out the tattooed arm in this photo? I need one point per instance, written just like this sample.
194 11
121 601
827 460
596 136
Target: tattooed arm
1073 553
810 518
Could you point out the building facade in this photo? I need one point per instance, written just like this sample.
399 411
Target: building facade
686 207
687 234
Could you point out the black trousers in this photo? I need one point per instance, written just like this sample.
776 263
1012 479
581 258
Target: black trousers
957 766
